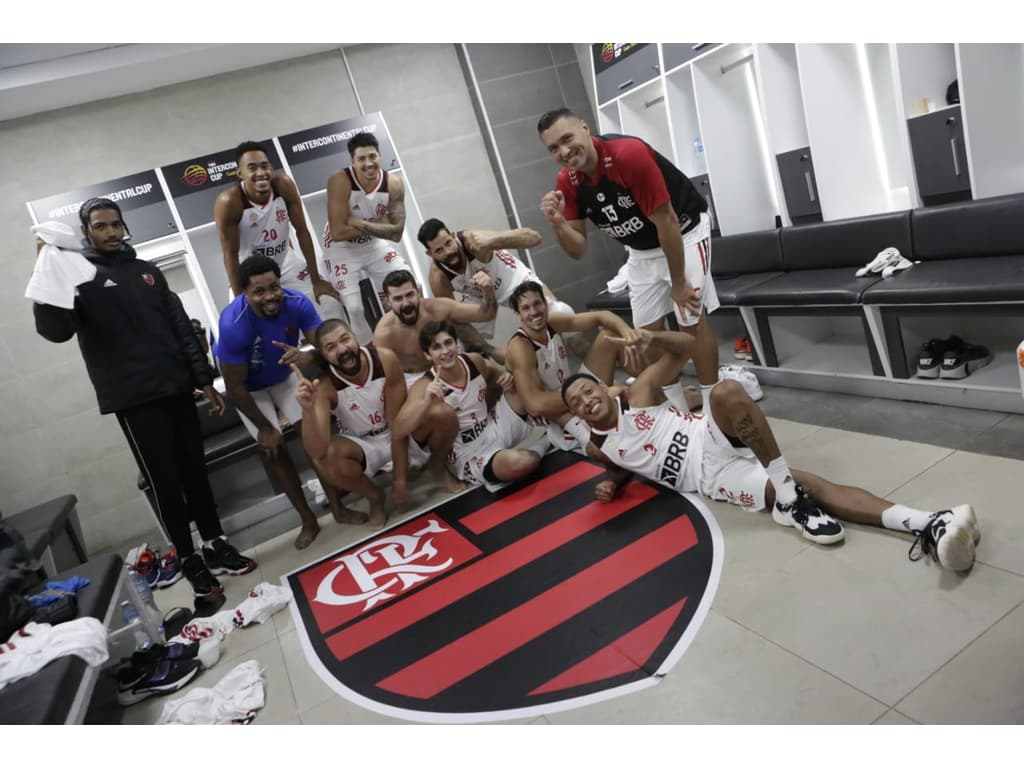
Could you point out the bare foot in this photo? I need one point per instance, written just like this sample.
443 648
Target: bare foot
307 534
452 484
378 514
348 516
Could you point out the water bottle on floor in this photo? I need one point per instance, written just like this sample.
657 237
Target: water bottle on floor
152 616
130 616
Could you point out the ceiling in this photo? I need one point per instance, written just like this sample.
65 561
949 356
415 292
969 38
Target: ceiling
36 77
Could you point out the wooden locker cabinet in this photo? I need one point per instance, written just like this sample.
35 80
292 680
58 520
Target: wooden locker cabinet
638 66
796 171
940 157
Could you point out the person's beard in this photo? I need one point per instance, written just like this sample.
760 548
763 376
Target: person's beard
412 317
348 363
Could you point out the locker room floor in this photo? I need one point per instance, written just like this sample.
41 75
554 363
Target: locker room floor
797 633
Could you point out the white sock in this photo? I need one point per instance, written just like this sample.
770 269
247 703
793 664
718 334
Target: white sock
901 518
705 395
674 394
782 480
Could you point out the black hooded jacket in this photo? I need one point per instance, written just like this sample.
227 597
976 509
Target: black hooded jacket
137 342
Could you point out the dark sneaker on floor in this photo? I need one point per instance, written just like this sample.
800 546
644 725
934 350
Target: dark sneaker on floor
170 569
804 515
929 359
221 557
949 538
138 682
962 359
203 582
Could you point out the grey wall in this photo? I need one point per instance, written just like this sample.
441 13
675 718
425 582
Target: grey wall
54 440
517 84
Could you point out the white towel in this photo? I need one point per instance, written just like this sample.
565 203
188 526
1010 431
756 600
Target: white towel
59 267
35 645
620 281
235 699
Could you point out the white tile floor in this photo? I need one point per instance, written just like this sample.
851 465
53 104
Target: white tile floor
797 633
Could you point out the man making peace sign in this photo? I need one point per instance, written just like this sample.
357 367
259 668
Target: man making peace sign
258 333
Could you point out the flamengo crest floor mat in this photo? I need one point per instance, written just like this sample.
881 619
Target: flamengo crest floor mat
511 605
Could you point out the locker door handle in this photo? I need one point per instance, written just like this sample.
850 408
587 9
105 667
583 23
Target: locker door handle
625 84
810 186
956 161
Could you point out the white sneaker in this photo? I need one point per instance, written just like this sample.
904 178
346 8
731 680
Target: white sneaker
745 377
885 258
949 537
899 266
314 487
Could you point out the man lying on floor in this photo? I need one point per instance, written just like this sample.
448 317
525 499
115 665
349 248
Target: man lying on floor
731 455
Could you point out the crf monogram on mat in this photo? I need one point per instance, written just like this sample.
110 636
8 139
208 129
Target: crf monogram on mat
535 599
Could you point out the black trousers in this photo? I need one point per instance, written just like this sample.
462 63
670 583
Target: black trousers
166 440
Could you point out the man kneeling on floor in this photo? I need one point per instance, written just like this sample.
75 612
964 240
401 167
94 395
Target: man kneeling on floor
364 387
484 452
731 455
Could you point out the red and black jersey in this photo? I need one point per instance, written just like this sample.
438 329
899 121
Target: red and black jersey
631 181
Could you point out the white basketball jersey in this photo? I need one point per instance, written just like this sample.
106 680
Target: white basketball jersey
360 408
264 229
371 206
552 359
506 272
469 402
661 443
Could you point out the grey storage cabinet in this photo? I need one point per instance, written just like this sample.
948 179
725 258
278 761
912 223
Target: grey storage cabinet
796 171
940 159
675 54
636 67
703 185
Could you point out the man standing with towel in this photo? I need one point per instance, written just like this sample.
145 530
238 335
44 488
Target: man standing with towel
143 359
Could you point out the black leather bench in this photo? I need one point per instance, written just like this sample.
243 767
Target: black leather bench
53 534
820 261
63 691
740 263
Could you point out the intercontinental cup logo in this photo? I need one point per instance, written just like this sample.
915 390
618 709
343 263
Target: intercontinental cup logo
195 176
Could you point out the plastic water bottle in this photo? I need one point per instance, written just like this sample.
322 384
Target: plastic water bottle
152 616
701 163
130 615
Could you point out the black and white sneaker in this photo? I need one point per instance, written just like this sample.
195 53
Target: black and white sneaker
203 582
929 359
136 682
221 557
949 537
804 515
962 359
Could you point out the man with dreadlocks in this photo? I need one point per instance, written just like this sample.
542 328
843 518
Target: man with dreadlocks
143 359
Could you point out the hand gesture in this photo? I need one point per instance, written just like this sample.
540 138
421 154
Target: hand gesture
473 242
687 298
291 355
216 401
483 281
323 287
306 390
634 344
552 205
435 392
506 381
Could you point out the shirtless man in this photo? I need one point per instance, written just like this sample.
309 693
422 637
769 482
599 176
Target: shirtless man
399 329
365 218
254 218
455 257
